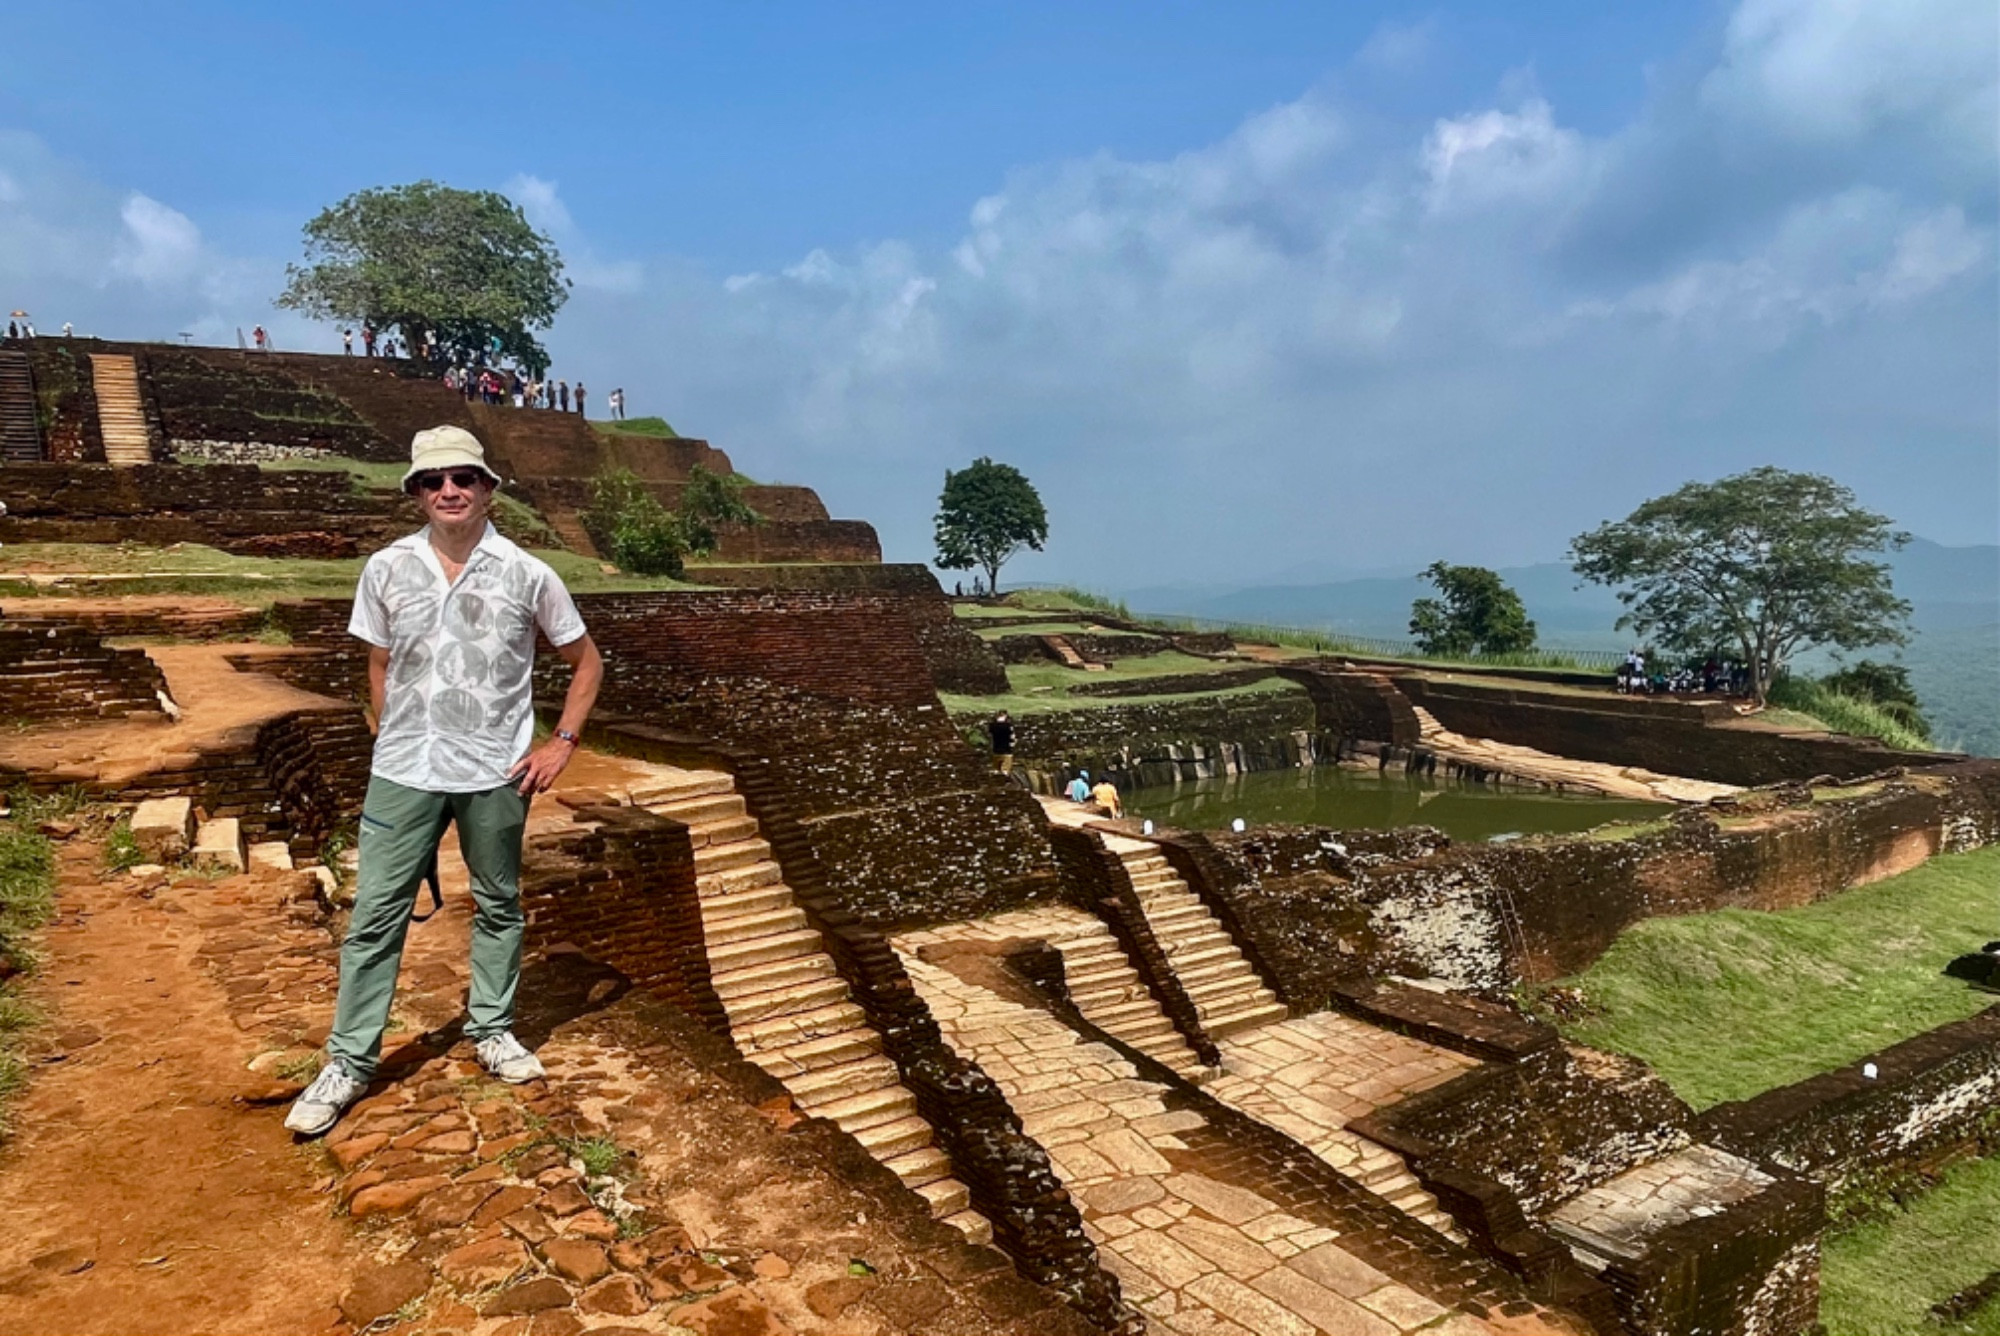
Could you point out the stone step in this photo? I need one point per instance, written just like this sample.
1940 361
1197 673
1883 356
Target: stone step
1235 1021
919 1167
759 978
1109 1017
746 1008
1228 985
1090 999
946 1197
1225 964
218 842
720 909
817 1054
730 957
855 1114
978 1230
1141 1031
780 1032
702 807
713 858
723 830
722 929
857 1076
685 787
731 881
886 1141
1202 938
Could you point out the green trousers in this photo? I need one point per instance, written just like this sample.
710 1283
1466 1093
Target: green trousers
400 830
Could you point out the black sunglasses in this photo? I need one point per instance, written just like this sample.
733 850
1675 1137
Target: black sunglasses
463 479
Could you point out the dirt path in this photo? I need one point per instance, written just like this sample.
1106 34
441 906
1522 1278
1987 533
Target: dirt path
142 1193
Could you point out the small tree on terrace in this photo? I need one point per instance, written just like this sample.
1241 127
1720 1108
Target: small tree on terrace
1768 562
463 265
988 512
1478 614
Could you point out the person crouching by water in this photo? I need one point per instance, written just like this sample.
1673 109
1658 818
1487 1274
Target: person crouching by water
1000 731
1078 789
1105 795
450 615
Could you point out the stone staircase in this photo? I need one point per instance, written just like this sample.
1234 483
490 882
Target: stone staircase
1111 996
20 432
1068 656
121 414
789 1010
1227 994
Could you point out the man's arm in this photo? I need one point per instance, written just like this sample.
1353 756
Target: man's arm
536 771
378 681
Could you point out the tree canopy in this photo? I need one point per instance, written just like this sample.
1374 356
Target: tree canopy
1477 614
987 513
1766 564
462 265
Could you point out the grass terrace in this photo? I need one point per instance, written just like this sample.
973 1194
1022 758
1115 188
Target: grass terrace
1886 1275
1729 1004
29 570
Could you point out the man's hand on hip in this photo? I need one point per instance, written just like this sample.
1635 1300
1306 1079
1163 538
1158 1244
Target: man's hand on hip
537 771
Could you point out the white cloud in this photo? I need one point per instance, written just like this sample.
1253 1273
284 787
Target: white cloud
542 202
161 244
1398 48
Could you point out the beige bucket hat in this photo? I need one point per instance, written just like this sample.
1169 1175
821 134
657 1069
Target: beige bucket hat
447 447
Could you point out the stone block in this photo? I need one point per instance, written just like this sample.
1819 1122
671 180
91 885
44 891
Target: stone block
219 843
163 828
271 855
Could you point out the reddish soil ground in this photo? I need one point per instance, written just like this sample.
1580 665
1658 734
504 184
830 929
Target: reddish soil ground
143 1192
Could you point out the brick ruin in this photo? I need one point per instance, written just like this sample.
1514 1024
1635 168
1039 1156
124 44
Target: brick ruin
1271 1078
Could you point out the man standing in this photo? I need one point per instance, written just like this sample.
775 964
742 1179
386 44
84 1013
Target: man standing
1000 730
450 615
579 398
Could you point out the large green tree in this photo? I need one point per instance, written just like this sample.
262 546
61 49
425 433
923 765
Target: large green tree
1476 613
988 512
462 265
1766 563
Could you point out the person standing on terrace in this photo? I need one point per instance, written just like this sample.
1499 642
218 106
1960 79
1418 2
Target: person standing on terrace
1000 731
450 616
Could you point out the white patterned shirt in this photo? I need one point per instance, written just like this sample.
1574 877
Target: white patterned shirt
458 709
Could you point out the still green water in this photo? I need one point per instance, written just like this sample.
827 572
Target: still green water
1369 800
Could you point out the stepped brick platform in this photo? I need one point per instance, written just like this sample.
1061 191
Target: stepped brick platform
121 413
1197 1248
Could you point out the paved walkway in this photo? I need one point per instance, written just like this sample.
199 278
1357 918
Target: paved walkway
1198 1255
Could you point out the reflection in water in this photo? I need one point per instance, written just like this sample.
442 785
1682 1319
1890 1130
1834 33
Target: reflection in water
1369 799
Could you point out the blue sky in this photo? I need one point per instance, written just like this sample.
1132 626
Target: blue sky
1247 289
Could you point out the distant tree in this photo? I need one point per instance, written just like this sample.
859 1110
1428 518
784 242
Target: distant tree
988 513
1477 614
1887 685
709 499
632 528
463 265
1767 562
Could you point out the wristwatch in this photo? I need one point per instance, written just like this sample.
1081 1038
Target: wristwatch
569 737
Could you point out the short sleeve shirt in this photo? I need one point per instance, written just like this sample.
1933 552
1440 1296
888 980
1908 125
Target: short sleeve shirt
458 711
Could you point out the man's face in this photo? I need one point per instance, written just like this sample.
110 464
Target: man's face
453 497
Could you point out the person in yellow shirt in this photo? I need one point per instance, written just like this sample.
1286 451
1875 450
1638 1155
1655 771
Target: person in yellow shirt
1105 794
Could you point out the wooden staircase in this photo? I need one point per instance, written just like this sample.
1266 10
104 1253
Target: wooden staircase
121 414
789 1010
20 432
1227 994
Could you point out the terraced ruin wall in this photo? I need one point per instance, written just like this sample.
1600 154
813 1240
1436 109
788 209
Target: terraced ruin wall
1327 907
1167 741
56 671
238 508
1930 1101
1681 740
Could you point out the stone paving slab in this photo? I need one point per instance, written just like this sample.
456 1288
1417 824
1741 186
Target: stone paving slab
1616 1219
1199 1256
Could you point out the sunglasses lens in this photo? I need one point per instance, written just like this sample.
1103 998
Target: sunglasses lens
465 480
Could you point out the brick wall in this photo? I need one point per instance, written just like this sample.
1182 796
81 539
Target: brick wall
1670 738
235 507
1931 1101
1323 906
1168 741
58 671
622 889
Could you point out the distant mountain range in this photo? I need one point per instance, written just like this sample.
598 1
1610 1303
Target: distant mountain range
1954 659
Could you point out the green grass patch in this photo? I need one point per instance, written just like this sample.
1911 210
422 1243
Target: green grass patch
27 895
1883 1276
1844 713
1729 1004
191 568
1018 703
638 426
121 851
1065 599
367 474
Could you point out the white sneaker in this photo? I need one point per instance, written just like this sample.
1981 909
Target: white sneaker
504 1059
322 1102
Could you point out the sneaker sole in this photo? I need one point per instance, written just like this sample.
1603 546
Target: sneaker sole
316 1129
